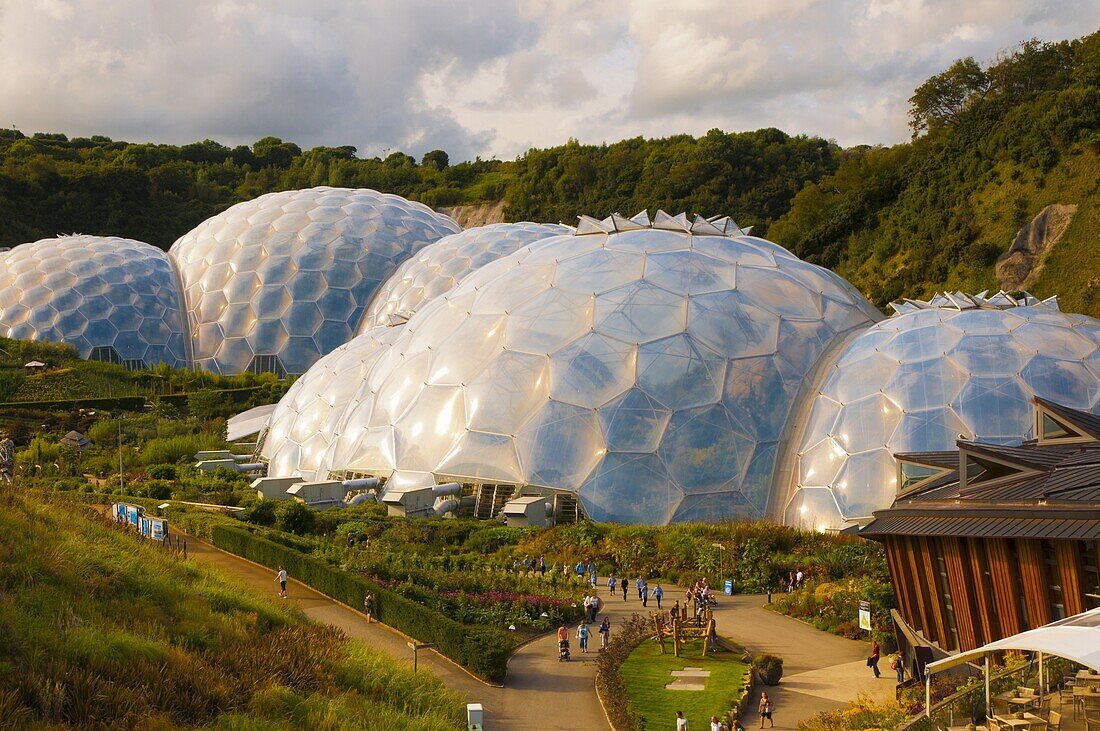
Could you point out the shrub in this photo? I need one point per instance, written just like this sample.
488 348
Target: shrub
769 668
484 651
295 517
161 471
262 513
609 680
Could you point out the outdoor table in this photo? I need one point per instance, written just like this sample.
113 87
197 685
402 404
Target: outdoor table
1088 676
1030 720
1024 701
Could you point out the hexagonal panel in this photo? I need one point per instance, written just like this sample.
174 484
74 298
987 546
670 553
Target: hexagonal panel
298 245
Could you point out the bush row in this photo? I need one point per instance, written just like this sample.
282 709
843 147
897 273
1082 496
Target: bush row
609 680
484 651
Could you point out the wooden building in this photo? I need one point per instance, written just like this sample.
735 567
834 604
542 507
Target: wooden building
992 540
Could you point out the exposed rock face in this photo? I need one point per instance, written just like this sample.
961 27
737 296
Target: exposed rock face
1019 267
481 214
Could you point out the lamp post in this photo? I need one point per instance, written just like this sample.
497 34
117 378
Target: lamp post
416 646
121 480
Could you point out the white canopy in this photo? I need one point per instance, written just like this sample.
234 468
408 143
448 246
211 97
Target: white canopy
249 422
1075 638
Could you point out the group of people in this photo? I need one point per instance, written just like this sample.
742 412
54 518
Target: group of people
716 724
583 633
642 587
897 662
794 580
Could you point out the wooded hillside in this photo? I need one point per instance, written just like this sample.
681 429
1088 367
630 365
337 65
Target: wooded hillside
993 145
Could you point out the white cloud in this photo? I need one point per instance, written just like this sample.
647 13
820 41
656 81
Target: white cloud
492 77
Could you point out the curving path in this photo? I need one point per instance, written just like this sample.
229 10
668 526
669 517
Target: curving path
821 671
541 692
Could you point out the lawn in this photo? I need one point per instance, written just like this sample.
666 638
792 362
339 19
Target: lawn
646 673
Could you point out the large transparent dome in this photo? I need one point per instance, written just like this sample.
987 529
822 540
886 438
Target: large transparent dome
650 369
276 282
437 268
958 366
112 299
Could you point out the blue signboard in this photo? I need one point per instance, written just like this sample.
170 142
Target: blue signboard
728 588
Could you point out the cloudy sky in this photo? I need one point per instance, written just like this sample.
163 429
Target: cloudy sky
489 77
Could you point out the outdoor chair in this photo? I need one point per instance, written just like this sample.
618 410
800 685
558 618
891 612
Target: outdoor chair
992 723
1092 723
1054 723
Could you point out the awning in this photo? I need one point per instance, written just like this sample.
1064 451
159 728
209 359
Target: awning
249 422
1075 638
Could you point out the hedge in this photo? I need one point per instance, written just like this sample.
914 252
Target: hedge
483 651
116 403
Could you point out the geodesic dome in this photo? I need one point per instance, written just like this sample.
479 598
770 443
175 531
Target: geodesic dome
113 299
648 368
437 268
274 283
958 366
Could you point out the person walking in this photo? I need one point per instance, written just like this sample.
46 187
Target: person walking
681 722
542 565
611 582
639 583
715 724
657 594
766 709
645 595
281 578
605 631
368 606
872 661
582 636
898 666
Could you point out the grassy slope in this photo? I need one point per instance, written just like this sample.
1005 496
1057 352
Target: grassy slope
101 629
646 673
1072 266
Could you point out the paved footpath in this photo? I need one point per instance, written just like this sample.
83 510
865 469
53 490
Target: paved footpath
540 692
821 672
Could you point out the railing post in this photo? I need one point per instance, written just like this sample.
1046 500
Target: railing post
927 694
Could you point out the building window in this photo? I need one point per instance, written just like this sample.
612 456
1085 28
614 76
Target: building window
267 364
105 354
986 587
1018 580
1054 581
945 589
1090 575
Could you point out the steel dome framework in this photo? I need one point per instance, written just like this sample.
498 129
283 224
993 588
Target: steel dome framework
279 281
648 367
957 366
113 299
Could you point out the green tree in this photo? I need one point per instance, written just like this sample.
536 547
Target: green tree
436 159
940 100
296 517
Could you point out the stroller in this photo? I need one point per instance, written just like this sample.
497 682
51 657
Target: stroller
563 651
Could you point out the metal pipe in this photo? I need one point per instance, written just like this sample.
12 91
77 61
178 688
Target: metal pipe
447 488
364 483
445 506
361 498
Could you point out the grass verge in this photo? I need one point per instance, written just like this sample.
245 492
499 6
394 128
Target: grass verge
646 673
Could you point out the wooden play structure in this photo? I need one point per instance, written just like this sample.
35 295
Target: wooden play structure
681 630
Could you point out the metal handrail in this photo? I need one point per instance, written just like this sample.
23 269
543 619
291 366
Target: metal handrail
956 696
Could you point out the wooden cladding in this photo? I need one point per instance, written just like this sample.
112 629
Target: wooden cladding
994 587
